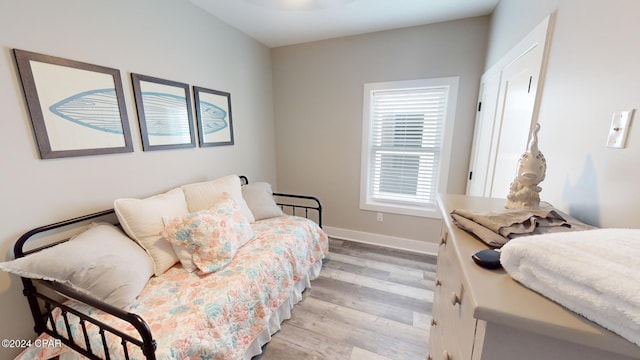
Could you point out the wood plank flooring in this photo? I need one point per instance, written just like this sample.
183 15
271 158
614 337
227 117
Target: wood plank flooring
369 303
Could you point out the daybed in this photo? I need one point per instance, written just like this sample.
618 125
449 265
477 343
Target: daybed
214 270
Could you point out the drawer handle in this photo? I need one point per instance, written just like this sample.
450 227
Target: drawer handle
447 356
443 238
455 299
438 282
434 322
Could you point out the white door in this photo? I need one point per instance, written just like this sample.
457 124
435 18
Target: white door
483 133
515 106
508 97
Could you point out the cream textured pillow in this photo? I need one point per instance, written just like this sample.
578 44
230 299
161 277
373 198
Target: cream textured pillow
209 237
141 219
203 195
101 262
259 198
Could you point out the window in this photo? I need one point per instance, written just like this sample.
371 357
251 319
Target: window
405 145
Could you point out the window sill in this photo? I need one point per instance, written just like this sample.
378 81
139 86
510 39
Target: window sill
399 209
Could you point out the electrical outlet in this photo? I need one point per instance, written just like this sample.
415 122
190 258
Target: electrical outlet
379 216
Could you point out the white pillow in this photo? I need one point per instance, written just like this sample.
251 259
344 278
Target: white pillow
141 219
259 198
101 262
203 195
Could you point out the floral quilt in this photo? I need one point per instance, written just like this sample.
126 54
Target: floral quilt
217 316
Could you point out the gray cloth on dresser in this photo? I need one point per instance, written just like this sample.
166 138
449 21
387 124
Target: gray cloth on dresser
495 228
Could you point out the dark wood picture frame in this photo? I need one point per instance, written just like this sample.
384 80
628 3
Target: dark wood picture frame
215 121
164 113
76 108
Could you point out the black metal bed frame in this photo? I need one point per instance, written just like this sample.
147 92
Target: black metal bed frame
42 305
314 201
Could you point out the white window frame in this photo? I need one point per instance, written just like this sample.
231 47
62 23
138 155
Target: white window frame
407 208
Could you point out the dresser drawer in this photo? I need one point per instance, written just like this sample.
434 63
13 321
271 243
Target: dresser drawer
442 345
453 307
442 327
435 341
465 323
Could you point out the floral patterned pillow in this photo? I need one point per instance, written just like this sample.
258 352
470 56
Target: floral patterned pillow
212 237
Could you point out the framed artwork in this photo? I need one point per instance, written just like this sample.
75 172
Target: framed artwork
164 112
213 110
76 109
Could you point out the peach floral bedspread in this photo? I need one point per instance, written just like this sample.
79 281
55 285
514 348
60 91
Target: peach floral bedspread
217 316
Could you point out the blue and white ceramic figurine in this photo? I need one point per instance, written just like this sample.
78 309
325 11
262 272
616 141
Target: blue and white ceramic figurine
532 166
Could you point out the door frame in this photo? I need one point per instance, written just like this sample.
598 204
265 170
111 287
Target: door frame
480 181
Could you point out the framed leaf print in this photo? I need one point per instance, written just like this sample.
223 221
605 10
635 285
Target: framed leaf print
164 113
213 110
76 109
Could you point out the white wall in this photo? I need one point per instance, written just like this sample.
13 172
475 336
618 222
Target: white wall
318 90
592 71
169 39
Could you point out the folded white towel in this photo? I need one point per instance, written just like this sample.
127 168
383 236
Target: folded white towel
595 273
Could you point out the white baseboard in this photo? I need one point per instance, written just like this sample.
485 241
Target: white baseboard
382 240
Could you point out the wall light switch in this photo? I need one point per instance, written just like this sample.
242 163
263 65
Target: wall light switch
619 129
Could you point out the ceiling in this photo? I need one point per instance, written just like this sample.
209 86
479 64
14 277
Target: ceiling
287 22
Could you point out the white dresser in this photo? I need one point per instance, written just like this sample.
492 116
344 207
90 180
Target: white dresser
484 314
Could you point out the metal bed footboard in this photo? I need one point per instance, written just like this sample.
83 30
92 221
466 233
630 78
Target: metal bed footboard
43 305
295 205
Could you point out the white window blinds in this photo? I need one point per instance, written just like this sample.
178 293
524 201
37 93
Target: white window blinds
404 144
406 137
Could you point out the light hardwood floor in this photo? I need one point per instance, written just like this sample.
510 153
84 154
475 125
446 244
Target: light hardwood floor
369 303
